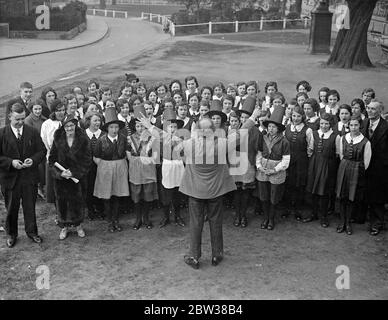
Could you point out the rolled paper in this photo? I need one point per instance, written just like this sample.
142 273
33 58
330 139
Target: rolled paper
60 167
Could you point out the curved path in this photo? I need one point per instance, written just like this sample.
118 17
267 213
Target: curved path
126 38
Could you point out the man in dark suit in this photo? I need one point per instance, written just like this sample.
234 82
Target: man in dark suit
376 130
23 99
21 151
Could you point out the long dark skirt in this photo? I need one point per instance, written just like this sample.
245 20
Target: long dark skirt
69 202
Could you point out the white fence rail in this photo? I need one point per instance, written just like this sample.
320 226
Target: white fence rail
108 13
172 27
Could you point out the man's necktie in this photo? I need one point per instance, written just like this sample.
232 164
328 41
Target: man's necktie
18 133
370 131
320 144
343 131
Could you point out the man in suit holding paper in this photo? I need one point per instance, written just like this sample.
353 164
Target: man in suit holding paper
21 151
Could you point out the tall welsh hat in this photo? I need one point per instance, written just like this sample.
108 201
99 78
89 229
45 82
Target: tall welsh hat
276 118
216 109
111 117
170 116
248 106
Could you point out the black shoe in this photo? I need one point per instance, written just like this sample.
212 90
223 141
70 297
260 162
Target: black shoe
264 224
348 229
285 214
36 238
216 260
309 219
11 241
244 222
237 221
111 228
271 225
137 225
374 231
192 262
118 227
341 228
165 221
298 216
325 223
179 221
148 225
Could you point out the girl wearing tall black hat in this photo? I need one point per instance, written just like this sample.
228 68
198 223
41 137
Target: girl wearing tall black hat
272 162
142 171
112 168
71 150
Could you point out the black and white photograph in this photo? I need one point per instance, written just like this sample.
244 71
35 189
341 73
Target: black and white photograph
207 152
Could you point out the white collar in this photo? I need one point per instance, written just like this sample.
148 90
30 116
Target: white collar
312 119
374 124
121 118
356 140
329 110
15 131
298 127
326 135
112 139
90 133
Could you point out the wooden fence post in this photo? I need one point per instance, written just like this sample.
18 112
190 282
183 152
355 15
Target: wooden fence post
106 13
114 14
261 23
284 23
236 27
94 12
210 27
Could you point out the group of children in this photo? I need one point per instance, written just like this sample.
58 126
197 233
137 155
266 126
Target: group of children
306 146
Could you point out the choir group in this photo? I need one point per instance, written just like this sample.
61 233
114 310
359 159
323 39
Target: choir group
100 153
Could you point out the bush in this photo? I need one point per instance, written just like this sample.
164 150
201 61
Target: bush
293 15
71 16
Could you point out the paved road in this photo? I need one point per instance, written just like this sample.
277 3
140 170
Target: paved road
127 37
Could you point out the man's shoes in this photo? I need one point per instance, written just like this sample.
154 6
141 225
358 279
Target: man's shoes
35 238
192 262
244 222
309 219
264 224
237 221
148 224
2 229
11 241
80 232
111 228
374 231
164 222
348 229
179 221
216 260
63 234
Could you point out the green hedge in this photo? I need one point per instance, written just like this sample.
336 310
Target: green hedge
65 19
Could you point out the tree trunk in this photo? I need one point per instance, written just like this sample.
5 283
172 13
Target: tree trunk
298 6
351 46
